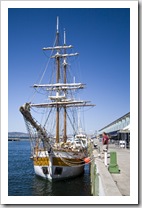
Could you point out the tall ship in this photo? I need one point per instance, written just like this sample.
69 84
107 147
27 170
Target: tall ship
58 148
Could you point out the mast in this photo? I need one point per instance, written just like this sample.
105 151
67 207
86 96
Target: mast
61 87
57 80
65 112
59 99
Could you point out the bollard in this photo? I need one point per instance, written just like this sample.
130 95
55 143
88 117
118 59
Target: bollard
99 152
105 157
113 167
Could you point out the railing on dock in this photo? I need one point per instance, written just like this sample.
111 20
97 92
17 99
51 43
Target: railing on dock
93 172
102 183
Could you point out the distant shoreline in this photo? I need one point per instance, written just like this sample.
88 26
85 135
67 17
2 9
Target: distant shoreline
17 138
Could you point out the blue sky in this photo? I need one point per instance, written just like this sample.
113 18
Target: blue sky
102 38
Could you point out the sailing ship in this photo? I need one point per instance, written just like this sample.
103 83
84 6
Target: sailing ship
57 153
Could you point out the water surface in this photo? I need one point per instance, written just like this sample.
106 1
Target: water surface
22 180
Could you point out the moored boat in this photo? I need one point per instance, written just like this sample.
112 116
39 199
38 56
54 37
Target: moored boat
54 154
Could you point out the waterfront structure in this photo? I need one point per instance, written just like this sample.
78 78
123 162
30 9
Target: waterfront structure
119 130
13 139
122 123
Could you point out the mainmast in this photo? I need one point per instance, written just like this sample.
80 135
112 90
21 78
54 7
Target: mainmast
57 80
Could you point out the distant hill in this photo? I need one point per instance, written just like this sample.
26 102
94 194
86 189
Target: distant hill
17 134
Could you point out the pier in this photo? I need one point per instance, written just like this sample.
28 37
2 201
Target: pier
103 181
13 139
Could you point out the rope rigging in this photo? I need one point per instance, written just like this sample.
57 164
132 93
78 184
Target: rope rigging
25 110
76 164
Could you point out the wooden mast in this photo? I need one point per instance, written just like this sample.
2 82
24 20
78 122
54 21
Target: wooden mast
65 112
57 80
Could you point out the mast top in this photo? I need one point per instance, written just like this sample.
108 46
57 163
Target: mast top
64 37
57 24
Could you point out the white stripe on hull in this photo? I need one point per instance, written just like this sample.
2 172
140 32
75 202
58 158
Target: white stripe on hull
67 172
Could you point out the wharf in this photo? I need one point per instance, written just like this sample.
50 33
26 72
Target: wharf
13 139
114 184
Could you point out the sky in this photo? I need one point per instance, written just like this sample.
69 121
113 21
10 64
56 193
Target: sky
102 38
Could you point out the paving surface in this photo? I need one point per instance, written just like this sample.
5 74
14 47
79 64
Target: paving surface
121 179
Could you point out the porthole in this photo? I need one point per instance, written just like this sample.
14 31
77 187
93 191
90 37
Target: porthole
45 170
58 171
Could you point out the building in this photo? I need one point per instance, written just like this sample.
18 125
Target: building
119 130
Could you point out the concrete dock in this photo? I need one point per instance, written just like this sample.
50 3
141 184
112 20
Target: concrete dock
114 184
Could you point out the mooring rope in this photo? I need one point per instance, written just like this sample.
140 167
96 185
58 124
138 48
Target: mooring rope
73 164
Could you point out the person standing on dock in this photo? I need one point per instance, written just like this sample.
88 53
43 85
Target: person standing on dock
105 141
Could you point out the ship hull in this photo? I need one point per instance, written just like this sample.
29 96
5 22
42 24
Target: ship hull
58 165
67 172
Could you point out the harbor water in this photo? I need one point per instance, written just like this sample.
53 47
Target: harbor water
22 180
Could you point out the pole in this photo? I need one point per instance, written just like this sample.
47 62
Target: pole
57 80
105 157
65 112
